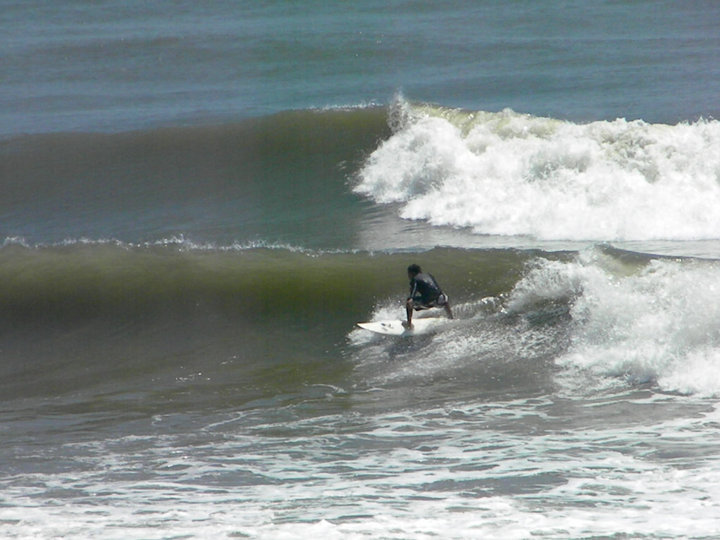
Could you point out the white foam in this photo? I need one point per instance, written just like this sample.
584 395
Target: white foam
658 324
512 174
458 472
14 241
177 242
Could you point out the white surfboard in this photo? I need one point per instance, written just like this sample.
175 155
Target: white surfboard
395 328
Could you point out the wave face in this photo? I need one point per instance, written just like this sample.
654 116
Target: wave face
255 321
84 280
507 173
279 178
604 316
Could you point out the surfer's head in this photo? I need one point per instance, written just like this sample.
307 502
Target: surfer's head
414 270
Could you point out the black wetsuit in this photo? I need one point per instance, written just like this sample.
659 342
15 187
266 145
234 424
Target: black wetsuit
425 292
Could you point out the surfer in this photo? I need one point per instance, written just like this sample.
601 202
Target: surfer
425 293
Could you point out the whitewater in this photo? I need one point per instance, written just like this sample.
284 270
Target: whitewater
512 174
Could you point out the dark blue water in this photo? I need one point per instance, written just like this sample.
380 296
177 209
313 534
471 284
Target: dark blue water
88 66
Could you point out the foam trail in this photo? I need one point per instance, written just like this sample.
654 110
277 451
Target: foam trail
513 174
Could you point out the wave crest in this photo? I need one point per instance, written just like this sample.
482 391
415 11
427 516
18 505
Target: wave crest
507 173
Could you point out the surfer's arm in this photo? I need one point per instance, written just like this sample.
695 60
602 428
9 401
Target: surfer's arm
413 289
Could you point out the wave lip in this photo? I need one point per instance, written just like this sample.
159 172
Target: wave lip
508 173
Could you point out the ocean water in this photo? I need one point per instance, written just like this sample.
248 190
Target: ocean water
198 202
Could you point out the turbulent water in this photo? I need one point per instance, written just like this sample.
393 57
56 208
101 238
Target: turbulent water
198 203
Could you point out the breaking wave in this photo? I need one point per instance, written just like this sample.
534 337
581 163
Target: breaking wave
507 173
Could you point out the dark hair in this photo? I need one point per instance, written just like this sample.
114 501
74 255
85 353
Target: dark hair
414 269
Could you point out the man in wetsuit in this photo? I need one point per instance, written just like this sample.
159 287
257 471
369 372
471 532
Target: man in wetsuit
425 293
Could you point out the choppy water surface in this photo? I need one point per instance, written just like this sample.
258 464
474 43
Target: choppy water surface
198 204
